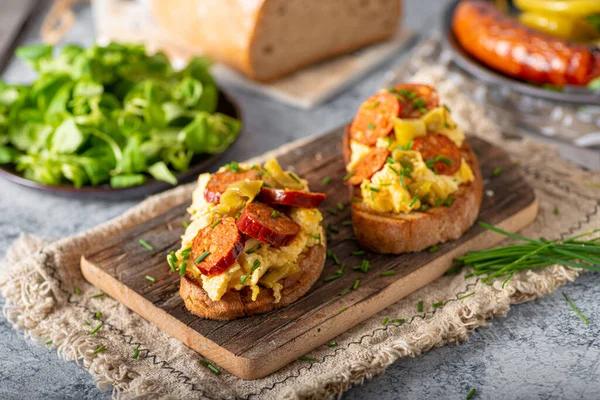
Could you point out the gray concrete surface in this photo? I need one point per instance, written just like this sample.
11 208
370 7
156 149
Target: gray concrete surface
541 351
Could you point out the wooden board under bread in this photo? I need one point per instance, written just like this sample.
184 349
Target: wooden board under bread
253 347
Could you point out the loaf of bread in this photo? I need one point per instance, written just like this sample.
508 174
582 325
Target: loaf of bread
268 39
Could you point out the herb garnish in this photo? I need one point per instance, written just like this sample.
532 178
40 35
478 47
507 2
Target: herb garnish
150 278
496 171
76 289
182 269
340 206
96 329
243 279
146 244
388 273
96 296
202 257
466 295
433 249
344 292
349 175
438 304
471 394
398 320
211 367
255 266
49 342
326 180
358 253
385 321
356 283
370 126
584 319
420 306
136 354
294 177
275 214
332 344
217 222
305 358
331 211
413 201
100 349
185 224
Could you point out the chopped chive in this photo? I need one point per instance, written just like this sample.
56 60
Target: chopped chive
398 320
471 394
496 171
186 253
96 329
275 214
413 201
438 202
365 266
556 210
98 315
449 201
87 323
76 289
332 278
150 278
238 215
49 342
356 200
388 273
306 358
136 353
420 306
211 367
356 283
447 108
372 189
419 103
347 223
466 295
185 224
342 310
172 260
255 265
385 321
373 104
583 318
392 90
146 244
433 249
243 279
100 349
332 344
390 160
340 206
344 292
438 304
98 295
202 257
370 126
358 253
326 180
250 251
333 228
331 211
217 222
182 269
294 177
349 175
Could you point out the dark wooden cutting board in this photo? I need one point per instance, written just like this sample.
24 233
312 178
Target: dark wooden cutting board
255 346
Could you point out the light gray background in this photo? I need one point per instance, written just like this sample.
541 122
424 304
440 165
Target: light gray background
541 351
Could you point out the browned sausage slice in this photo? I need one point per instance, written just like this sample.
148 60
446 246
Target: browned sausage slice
439 153
416 99
262 222
372 162
294 198
220 181
375 118
215 249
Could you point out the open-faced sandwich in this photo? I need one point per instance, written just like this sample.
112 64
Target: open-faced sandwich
255 241
415 181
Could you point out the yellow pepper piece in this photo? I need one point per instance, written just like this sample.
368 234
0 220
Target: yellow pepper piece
559 26
277 274
567 8
406 130
237 195
284 179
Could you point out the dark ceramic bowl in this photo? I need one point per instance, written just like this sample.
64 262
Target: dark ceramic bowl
199 164
572 94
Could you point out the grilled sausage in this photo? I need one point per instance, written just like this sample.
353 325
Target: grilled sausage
287 197
215 249
268 225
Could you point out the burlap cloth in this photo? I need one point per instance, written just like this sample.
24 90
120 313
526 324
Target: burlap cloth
41 301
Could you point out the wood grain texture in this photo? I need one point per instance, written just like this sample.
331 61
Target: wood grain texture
255 346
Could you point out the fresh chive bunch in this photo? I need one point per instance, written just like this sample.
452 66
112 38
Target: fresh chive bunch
503 262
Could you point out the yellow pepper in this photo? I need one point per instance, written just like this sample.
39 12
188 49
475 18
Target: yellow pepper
566 8
559 26
406 130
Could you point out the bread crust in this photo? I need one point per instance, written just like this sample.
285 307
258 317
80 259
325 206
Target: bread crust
236 304
417 230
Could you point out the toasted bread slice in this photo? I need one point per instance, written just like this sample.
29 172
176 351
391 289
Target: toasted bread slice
417 230
236 304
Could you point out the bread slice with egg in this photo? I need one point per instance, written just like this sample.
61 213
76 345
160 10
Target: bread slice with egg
237 304
417 230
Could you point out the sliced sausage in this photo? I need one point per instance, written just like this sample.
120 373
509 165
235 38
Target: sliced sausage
262 222
217 248
416 99
294 198
375 118
220 181
439 153
372 162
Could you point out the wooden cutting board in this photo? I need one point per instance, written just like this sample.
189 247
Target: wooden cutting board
255 346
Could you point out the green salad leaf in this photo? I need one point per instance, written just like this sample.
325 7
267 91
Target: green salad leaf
111 114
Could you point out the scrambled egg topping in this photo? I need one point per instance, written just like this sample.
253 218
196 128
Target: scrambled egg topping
262 264
407 183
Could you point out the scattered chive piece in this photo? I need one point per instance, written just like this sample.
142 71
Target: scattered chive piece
186 253
98 295
185 224
390 160
96 329
333 228
438 202
243 279
583 318
438 304
556 210
255 266
136 353
432 249
202 257
385 321
182 269
146 244
347 223
466 295
419 103
294 177
496 171
332 344
420 306
388 273
211 367
471 394
398 320
305 358
275 214
342 310
413 201
449 201
98 315
87 323
331 211
356 200
332 278
76 289
349 175
340 206
371 126
326 180
344 292
217 222
447 108
372 189
358 253
49 342
356 283
238 215
100 349
151 278
172 260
